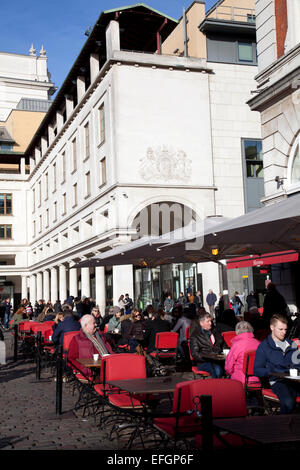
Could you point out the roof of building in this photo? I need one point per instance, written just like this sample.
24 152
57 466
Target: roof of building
139 25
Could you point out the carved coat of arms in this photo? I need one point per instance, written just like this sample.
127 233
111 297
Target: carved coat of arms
165 164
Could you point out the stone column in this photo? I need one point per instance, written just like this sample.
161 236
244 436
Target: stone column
24 287
112 38
32 290
69 105
122 281
94 66
54 289
73 280
62 283
100 288
39 286
46 286
85 282
80 88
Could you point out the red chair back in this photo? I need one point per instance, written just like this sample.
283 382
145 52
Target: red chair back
166 340
68 338
26 325
228 337
228 397
261 310
248 362
105 328
36 327
123 367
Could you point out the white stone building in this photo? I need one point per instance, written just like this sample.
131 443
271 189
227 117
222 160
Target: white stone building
128 130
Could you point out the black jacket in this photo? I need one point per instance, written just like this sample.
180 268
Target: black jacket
200 344
151 328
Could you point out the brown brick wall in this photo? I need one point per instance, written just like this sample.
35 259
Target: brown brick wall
281 25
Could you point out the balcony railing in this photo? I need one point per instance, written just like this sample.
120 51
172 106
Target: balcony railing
228 13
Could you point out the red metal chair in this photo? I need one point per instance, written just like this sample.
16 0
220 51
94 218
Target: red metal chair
166 344
228 400
248 365
228 337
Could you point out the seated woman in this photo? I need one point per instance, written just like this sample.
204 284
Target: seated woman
206 341
244 341
19 315
86 343
136 330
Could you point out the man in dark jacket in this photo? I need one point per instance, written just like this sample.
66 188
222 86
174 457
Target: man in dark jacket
154 325
69 323
206 343
277 354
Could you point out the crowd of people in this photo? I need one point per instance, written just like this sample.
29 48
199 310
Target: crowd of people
125 328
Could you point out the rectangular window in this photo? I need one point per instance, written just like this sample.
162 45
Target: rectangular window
5 231
64 203
63 167
46 186
88 184
102 124
47 218
33 229
40 223
54 211
74 154
103 179
5 204
40 193
254 159
33 200
74 194
54 177
87 140
245 52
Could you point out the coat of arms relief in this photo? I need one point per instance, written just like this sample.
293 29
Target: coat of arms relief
165 164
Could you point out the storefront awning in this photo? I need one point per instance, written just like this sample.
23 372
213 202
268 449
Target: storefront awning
263 260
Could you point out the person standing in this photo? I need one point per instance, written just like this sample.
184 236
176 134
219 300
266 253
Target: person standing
236 303
198 299
7 310
211 299
274 302
168 304
128 304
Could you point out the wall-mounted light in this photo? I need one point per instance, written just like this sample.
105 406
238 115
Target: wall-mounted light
215 251
279 181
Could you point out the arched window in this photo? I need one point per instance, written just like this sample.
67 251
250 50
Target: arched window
294 164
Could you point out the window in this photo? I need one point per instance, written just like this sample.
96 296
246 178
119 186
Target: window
40 193
88 184
33 229
245 52
5 232
74 154
54 211
46 186
40 223
102 124
253 156
87 140
64 203
8 147
47 218
54 177
74 194
63 167
33 200
103 179
5 204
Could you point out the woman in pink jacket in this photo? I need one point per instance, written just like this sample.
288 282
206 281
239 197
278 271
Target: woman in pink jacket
244 341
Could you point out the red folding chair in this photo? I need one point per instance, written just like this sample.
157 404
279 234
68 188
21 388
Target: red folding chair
228 337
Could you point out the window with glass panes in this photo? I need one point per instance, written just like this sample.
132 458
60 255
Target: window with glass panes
102 124
5 231
253 156
87 140
5 204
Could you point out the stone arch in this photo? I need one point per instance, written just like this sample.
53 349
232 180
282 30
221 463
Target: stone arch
293 169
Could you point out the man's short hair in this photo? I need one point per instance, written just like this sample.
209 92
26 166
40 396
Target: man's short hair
278 317
204 315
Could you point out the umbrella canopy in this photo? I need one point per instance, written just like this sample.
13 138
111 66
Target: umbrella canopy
275 227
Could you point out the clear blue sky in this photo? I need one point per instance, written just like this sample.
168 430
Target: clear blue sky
60 26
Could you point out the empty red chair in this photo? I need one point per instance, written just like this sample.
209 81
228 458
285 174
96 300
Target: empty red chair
228 337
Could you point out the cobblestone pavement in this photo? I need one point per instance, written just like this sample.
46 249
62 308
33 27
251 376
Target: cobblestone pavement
28 412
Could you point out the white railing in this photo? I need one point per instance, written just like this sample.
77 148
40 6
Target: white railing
233 14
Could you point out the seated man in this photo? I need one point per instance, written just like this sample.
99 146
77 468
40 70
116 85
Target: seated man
205 340
89 341
67 323
276 354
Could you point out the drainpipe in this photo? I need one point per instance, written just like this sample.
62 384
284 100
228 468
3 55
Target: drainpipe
185 38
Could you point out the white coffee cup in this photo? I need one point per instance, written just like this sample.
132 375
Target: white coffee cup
96 357
116 330
293 372
50 338
226 351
